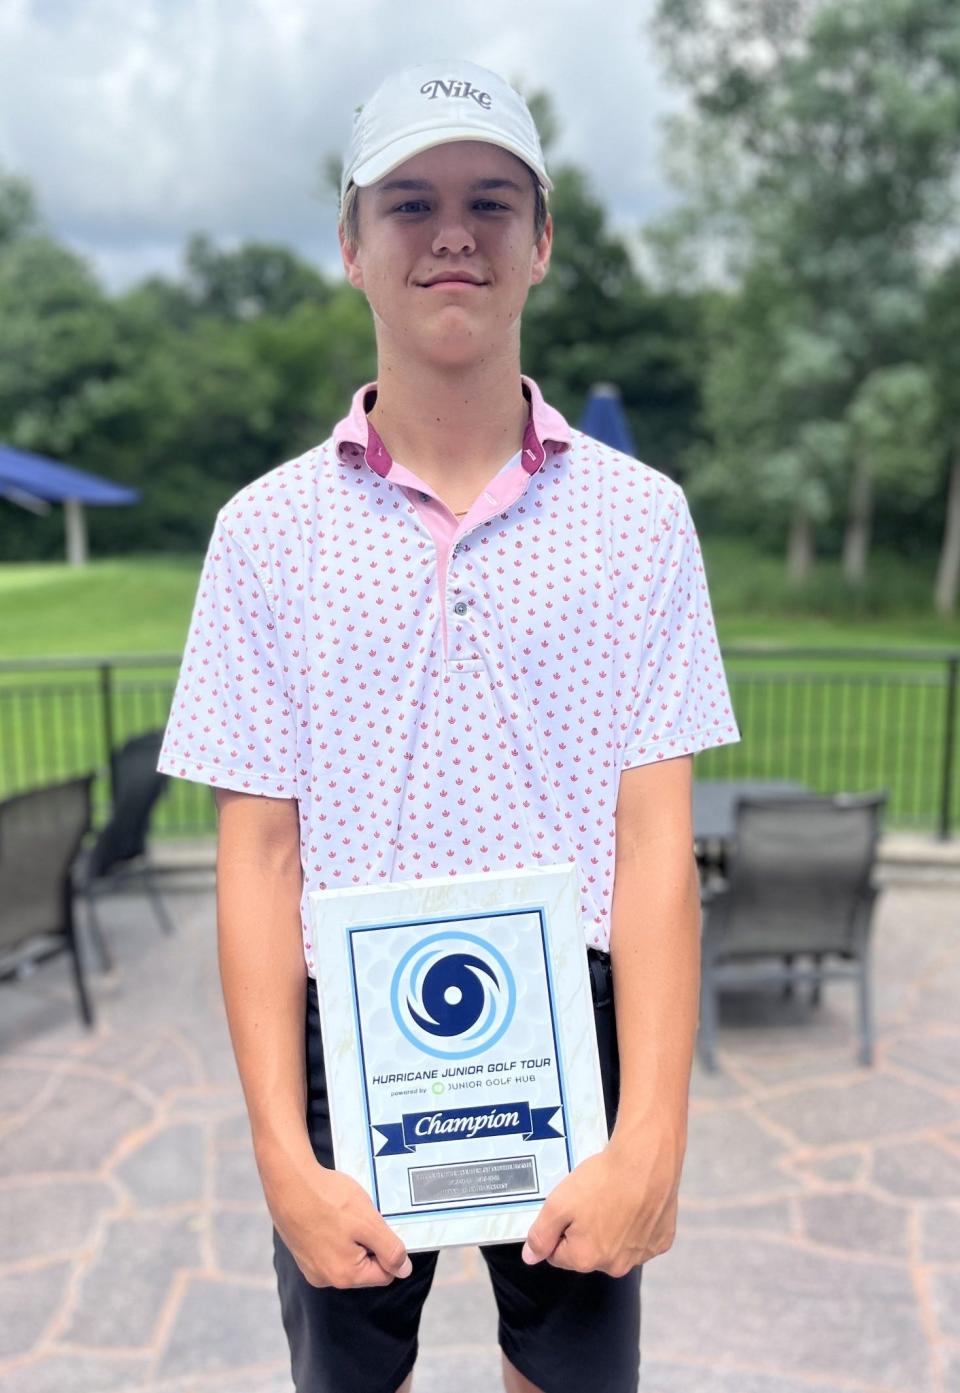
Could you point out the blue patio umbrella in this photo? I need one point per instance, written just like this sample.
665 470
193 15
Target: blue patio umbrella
34 482
605 419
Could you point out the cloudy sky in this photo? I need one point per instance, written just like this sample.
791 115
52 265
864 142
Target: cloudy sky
141 121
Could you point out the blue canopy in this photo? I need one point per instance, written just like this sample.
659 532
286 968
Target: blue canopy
605 419
24 474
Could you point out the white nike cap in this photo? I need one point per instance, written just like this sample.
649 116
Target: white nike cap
433 104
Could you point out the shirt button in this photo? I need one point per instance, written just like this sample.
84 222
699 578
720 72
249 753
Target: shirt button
460 607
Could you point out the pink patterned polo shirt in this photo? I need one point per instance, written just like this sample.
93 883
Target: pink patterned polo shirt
447 696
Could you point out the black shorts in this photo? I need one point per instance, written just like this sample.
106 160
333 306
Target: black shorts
561 1329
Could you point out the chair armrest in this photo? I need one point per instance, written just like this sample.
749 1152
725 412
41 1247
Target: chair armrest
80 869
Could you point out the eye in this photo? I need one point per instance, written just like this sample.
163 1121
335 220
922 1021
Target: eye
417 205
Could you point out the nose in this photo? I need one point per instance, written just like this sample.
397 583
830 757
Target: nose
453 236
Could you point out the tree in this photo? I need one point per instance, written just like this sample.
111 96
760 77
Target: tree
57 343
18 209
593 319
184 390
762 374
252 280
825 145
204 409
942 341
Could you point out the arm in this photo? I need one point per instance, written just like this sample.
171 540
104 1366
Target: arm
326 1219
618 1209
655 949
262 971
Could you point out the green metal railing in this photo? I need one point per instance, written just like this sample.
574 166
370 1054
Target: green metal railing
855 720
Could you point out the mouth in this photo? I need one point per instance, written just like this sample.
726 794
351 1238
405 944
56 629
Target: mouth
453 280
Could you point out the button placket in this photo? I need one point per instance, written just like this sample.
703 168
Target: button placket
461 632
463 610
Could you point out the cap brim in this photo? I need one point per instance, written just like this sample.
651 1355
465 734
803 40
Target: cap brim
398 151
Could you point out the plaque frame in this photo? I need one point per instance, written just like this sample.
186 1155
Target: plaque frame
337 917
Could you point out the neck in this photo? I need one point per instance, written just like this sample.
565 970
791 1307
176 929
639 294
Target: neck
446 422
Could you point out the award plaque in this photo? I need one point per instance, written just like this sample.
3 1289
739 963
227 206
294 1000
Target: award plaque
459 1046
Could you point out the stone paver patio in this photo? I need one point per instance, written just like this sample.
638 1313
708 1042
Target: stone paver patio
818 1248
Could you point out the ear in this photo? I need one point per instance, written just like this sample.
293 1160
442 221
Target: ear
541 253
351 263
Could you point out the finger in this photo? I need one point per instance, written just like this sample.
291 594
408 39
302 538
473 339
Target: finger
387 1248
545 1233
560 1257
571 1256
369 1273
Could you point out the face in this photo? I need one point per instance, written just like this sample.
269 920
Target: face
446 253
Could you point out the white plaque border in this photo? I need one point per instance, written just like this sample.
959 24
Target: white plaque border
550 891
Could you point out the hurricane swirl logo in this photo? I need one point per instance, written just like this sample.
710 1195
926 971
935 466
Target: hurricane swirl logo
453 995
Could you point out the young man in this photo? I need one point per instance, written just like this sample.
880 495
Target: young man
457 636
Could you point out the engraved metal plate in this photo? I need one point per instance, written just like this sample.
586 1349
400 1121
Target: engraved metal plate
472 1180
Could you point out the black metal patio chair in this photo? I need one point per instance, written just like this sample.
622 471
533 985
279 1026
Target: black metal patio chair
800 884
120 854
40 834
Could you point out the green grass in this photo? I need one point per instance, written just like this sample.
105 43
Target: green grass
137 605
821 722
754 603
141 605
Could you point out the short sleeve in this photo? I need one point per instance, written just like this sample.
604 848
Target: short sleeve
680 702
231 723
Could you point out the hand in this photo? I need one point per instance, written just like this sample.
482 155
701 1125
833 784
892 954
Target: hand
330 1225
614 1211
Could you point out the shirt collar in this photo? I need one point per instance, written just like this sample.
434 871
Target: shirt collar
355 437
